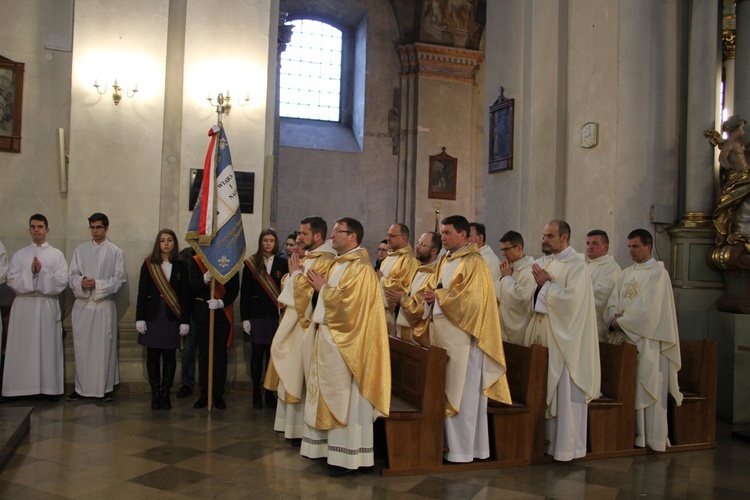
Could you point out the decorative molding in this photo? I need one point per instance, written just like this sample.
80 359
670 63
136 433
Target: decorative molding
284 36
728 44
435 61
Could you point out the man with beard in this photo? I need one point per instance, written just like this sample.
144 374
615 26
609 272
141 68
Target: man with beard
409 317
564 321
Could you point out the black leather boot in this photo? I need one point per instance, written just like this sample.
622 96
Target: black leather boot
154 376
170 366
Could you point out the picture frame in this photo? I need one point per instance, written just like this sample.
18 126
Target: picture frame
442 179
501 134
11 104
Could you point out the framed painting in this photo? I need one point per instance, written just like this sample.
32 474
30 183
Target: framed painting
11 104
442 181
501 134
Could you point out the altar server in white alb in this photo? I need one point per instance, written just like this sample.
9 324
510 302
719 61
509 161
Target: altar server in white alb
564 321
97 272
515 288
34 352
641 311
604 272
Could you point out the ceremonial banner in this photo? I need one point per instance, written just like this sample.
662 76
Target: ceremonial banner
215 230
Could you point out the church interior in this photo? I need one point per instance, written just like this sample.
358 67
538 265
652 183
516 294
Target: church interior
511 113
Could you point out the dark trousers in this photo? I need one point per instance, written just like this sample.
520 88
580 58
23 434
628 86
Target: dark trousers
221 335
260 354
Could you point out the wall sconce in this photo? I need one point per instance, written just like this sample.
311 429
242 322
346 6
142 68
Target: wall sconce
224 102
116 91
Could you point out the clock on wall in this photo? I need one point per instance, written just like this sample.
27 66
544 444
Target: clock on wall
589 135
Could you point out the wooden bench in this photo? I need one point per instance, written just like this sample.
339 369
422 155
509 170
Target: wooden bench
611 417
694 422
414 429
517 430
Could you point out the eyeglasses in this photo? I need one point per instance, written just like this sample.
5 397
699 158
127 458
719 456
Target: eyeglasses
506 249
94 228
339 231
389 235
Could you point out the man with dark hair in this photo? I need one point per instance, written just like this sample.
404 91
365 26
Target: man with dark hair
397 270
565 322
641 311
349 374
34 361
382 253
286 372
459 298
515 288
409 318
604 272
97 272
478 236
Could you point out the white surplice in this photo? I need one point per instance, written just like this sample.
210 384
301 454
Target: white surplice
514 293
604 272
95 316
34 351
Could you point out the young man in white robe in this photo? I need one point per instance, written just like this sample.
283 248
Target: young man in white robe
460 300
397 270
565 322
97 272
641 311
349 376
604 272
410 304
478 236
515 288
34 361
286 372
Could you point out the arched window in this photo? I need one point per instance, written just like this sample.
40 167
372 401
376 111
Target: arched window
310 76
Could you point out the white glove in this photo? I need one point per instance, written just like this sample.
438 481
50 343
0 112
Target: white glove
246 326
215 304
141 327
184 329
207 277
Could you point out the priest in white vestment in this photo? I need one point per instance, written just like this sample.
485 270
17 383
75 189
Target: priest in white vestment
565 322
349 375
3 274
515 289
286 371
641 311
34 361
97 272
409 323
604 272
478 236
397 270
460 300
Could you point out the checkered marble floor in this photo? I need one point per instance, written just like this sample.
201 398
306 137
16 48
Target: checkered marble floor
123 449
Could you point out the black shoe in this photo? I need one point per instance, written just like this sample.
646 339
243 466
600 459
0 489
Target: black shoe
155 400
166 403
219 403
108 397
184 392
201 403
53 398
74 396
336 471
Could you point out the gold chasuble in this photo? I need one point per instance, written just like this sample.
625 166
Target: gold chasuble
349 340
412 307
400 274
286 362
469 304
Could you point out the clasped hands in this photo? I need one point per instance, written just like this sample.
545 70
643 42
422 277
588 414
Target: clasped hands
540 275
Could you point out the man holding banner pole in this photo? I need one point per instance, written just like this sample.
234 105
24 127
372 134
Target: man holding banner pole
215 232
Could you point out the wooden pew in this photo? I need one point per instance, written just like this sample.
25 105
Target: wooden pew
414 429
517 430
611 418
693 424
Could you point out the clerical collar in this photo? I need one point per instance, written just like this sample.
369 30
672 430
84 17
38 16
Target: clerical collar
448 254
43 245
647 261
350 251
564 254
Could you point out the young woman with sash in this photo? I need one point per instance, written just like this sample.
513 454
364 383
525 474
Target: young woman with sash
162 314
261 285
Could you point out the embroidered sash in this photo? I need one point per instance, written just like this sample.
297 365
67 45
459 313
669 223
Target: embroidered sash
219 293
165 287
266 282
